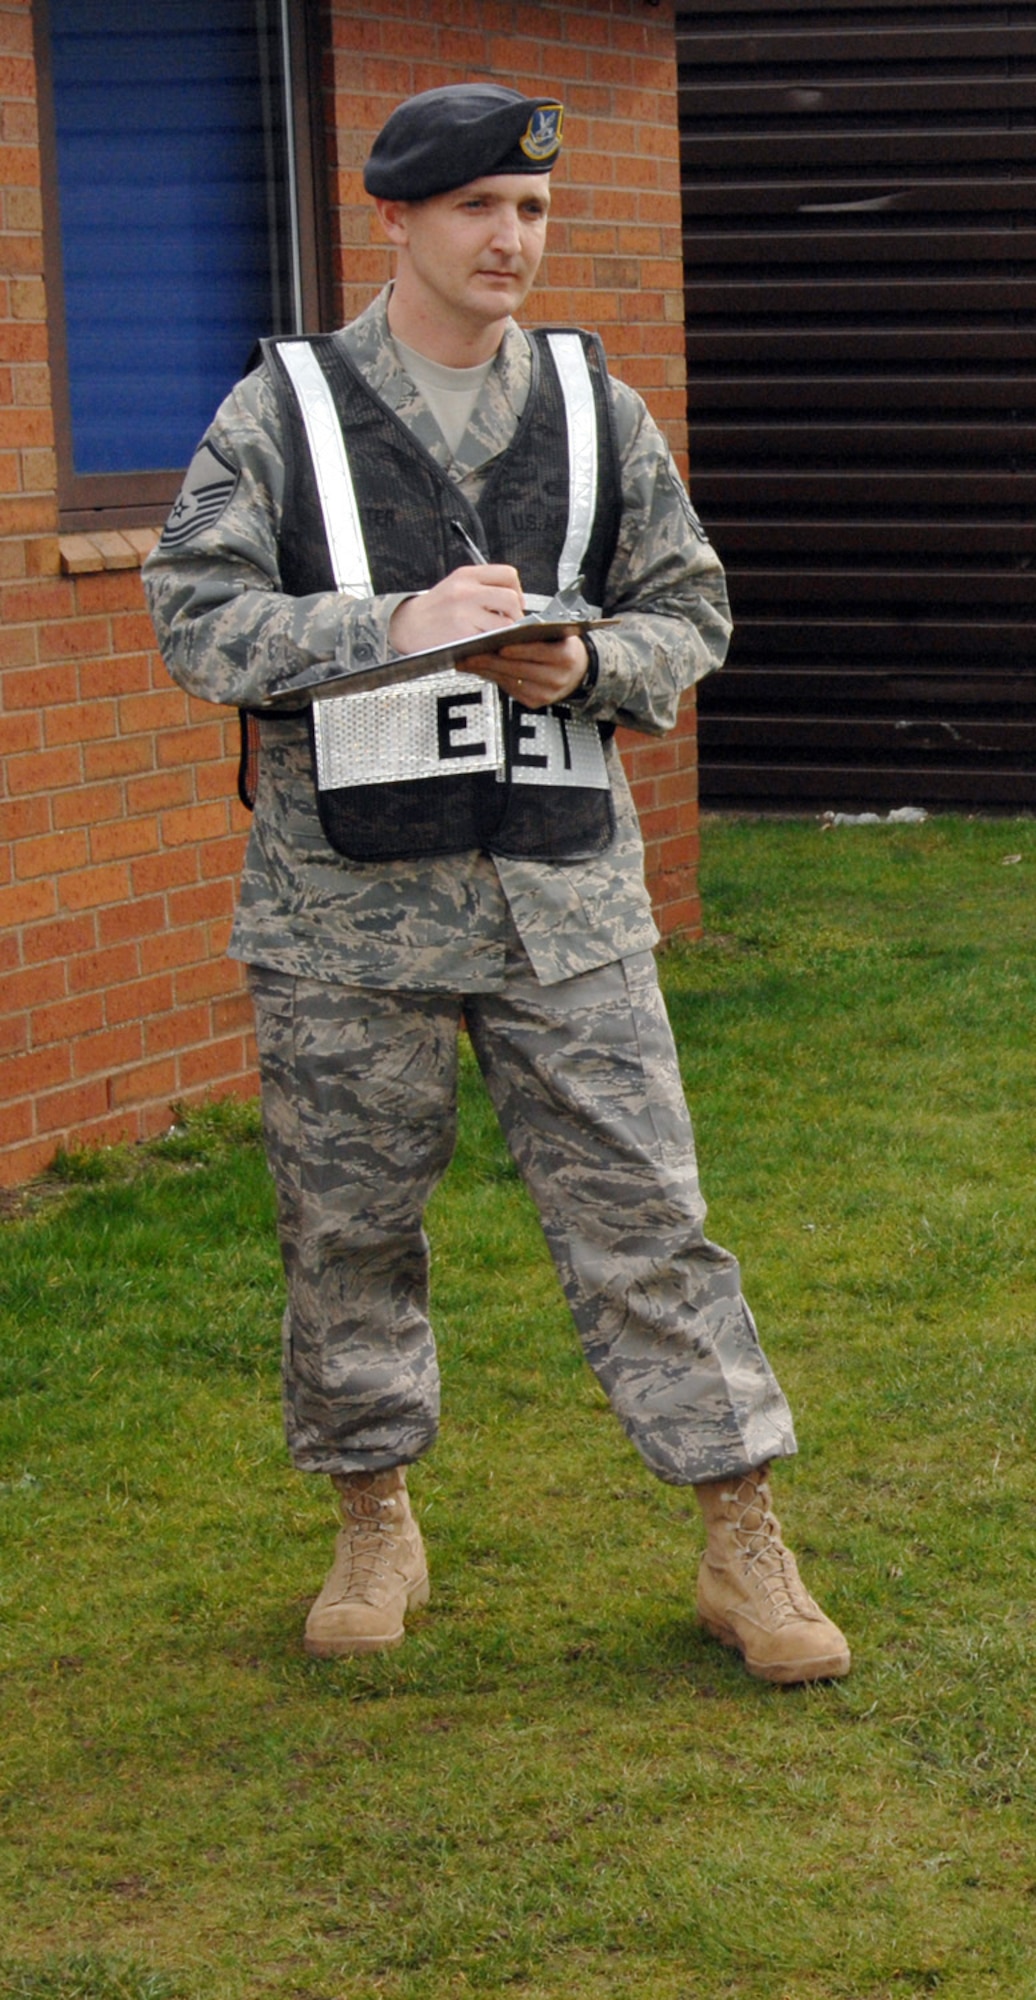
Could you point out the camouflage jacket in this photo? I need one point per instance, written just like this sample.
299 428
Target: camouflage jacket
228 633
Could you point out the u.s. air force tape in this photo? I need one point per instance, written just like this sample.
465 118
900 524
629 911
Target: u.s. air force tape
445 725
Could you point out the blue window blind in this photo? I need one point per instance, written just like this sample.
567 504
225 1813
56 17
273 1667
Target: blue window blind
170 130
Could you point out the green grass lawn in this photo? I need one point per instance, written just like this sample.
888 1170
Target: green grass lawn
559 1789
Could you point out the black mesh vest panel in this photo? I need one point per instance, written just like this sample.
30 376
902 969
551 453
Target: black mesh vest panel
406 505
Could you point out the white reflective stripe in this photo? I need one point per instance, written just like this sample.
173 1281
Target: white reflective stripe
440 727
331 465
552 748
581 415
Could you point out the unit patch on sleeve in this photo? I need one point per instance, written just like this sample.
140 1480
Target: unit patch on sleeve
206 491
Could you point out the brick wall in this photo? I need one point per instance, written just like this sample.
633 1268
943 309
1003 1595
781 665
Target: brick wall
120 831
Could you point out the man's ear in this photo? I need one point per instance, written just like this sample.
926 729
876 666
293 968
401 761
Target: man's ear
393 217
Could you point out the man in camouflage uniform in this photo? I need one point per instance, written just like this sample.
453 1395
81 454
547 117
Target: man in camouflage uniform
361 970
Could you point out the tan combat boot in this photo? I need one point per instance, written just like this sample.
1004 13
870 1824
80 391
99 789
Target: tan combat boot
750 1593
379 1571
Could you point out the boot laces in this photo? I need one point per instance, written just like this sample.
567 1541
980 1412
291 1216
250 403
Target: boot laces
371 1531
767 1563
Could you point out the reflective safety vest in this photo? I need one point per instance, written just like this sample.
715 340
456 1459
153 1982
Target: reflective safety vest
446 763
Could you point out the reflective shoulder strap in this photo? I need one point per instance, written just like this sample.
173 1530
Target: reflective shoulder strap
331 468
581 418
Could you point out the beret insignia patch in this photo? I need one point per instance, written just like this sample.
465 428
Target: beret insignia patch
542 136
207 489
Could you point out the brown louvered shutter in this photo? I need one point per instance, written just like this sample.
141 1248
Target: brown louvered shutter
860 252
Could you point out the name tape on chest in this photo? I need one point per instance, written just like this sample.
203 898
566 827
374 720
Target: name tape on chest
446 725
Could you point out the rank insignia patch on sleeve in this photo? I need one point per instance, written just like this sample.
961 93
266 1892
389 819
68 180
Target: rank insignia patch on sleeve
206 491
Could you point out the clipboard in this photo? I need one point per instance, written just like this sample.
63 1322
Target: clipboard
360 679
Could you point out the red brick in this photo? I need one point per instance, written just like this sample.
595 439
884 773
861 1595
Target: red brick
40 687
17 72
22 342
234 1012
16 1124
678 790
24 819
31 986
88 888
13 555
678 853
79 722
194 823
27 295
119 760
26 517
66 1020
50 854
155 872
69 1107
88 805
199 744
127 673
110 590
73 638
645 794
18 733
161 708
14 1035
224 857
200 904
139 1001
151 1080
158 791
99 970
655 756
41 1069
23 1163
138 918
115 1048
20 426
161 954
31 390
61 939
219 936
662 822
124 837
680 917
27 903
179 1030
133 632
17 646
217 781
206 980
207 1064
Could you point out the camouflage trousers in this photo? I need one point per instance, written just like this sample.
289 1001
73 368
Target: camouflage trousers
359 1094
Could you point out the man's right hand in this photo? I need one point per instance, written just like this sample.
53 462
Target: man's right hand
477 598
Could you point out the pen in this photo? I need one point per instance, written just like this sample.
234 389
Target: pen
472 547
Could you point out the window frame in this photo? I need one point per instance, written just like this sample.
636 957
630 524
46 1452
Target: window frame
101 500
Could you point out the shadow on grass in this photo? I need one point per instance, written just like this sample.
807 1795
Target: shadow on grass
632 1661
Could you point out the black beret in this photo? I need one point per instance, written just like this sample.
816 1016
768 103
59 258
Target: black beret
445 138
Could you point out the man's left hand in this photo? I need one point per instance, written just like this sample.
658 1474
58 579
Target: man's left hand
536 673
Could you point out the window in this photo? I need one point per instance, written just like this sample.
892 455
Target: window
180 221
